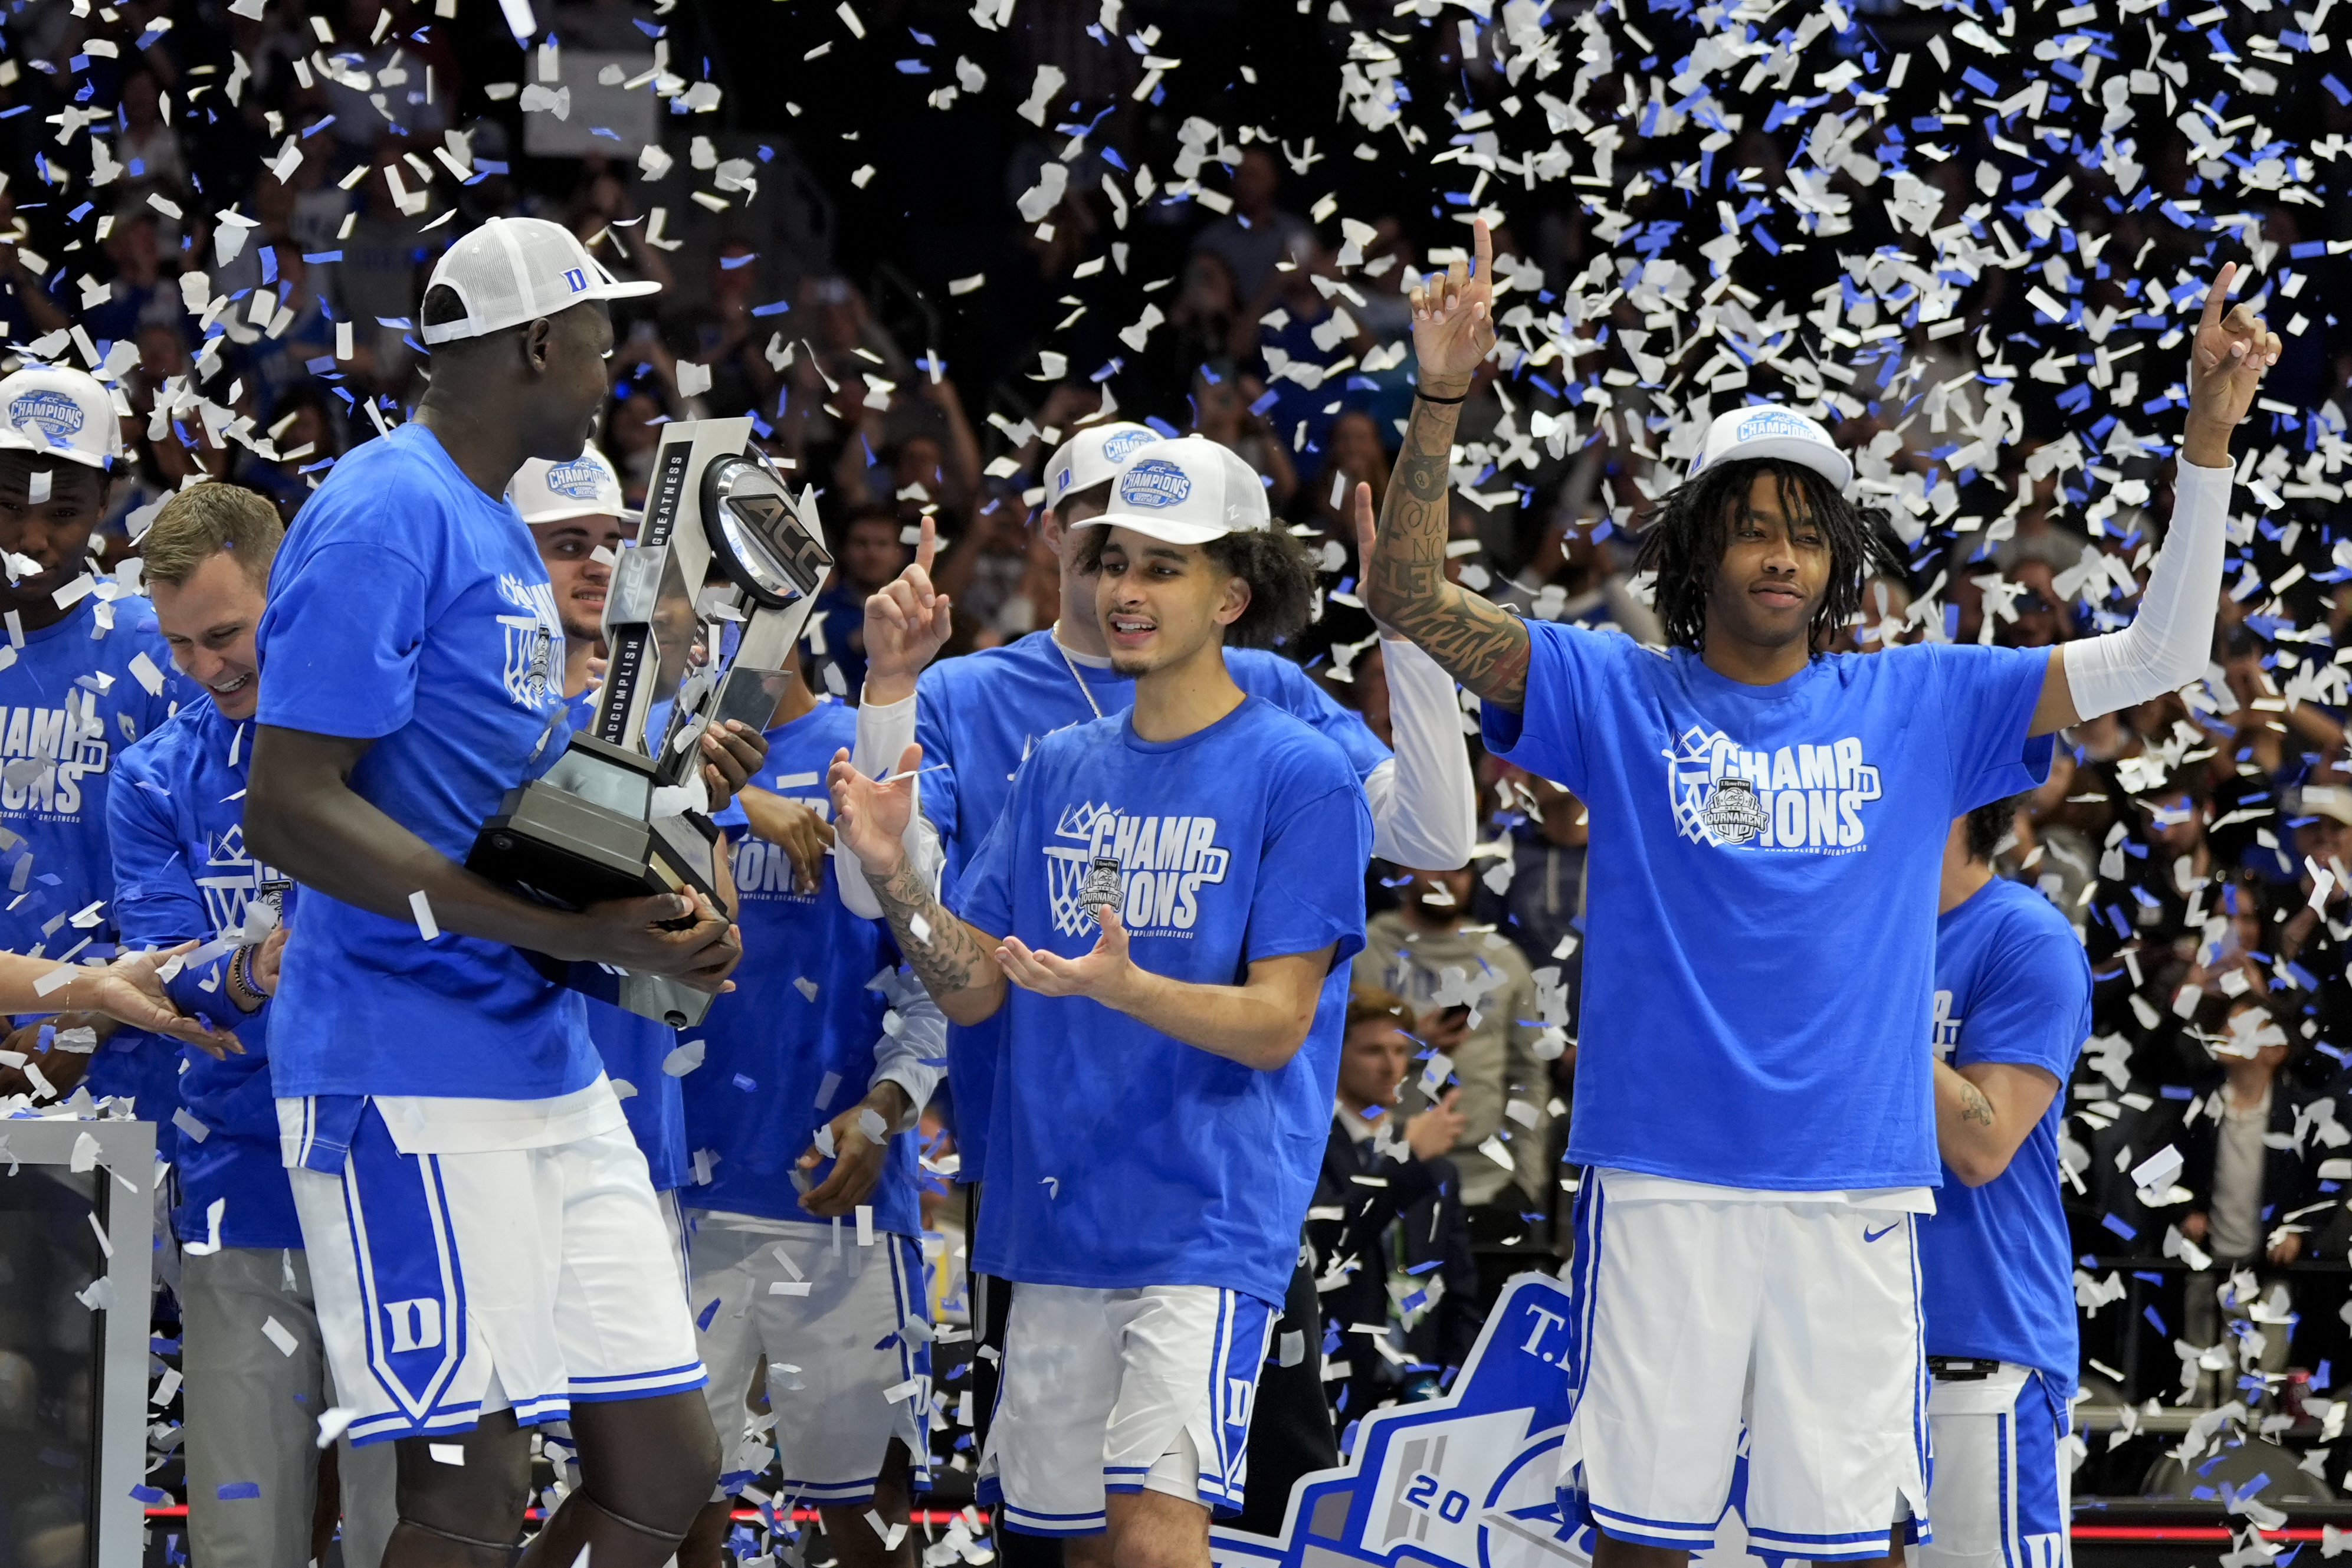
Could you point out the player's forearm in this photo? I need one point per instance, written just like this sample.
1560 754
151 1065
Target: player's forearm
950 957
1257 1024
1405 587
1969 1131
324 836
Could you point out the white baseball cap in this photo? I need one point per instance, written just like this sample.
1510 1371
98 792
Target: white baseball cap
551 492
1187 492
1091 457
516 269
55 409
1768 430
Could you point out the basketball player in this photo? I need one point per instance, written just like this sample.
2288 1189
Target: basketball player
807 1235
1160 1112
481 1225
2013 1008
1762 936
979 716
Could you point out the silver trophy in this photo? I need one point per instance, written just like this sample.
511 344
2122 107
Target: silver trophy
618 815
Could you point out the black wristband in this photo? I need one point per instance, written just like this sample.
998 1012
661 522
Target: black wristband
1426 397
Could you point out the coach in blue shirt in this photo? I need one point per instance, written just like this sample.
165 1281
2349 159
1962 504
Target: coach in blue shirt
182 873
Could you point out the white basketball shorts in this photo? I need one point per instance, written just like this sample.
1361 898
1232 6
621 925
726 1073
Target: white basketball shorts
453 1286
1800 1319
1999 1494
1145 1388
830 1318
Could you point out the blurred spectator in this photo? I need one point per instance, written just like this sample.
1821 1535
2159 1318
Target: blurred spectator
1572 577
1475 999
988 568
1256 234
866 553
1541 908
1222 410
138 295
722 335
2245 1171
1399 1285
1304 329
1352 455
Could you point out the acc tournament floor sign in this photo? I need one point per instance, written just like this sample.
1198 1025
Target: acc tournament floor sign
1468 1480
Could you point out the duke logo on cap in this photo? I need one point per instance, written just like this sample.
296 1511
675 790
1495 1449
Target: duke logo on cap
62 412
516 269
1768 430
1187 492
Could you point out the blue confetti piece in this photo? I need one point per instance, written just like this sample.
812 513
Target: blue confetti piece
2155 1320
320 257
777 309
151 1496
237 1491
702 1324
2120 1228
1981 82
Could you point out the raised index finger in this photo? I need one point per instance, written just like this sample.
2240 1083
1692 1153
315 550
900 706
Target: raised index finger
926 546
1482 244
2216 295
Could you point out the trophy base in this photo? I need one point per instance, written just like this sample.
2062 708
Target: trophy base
557 847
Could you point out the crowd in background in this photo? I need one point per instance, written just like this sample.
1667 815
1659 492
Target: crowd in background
2203 846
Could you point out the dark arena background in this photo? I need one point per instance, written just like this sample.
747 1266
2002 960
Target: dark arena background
912 239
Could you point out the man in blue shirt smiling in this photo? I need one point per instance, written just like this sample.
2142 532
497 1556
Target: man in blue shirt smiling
1163 912
1749 1091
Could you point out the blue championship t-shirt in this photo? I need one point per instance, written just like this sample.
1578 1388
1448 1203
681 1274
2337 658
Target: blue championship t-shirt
182 873
633 1048
2012 985
984 713
71 697
409 608
1762 894
1122 1156
791 1047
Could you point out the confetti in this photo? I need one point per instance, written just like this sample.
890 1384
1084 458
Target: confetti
422 909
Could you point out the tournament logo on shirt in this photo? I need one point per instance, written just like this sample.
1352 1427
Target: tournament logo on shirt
235 881
1165 862
1801 797
45 752
534 644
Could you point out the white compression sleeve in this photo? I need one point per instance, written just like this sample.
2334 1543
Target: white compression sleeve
2170 640
1424 802
914 1058
883 731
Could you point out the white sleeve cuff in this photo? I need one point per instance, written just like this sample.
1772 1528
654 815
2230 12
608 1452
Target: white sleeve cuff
1425 812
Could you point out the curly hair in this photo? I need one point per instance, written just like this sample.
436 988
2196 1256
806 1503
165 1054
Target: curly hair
1685 531
1988 825
1280 575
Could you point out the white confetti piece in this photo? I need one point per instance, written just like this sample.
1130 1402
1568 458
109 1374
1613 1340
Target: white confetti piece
332 1425
278 1334
906 1390
684 1057
447 1453
421 908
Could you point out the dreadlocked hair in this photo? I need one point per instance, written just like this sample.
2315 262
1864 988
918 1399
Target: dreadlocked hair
1685 530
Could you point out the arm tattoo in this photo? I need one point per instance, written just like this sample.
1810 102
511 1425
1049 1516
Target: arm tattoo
1974 1106
937 945
1473 639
